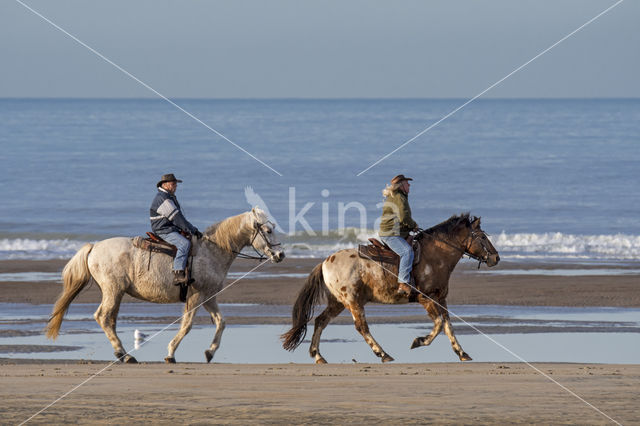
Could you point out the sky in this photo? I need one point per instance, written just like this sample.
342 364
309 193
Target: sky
322 49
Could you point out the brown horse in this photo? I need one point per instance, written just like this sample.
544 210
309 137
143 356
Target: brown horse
348 281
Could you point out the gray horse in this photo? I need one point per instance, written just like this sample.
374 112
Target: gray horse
118 268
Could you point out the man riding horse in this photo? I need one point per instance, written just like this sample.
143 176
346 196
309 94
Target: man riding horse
395 227
168 222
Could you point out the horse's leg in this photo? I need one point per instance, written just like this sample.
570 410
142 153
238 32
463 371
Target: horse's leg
448 329
357 312
106 316
435 315
332 310
212 307
185 325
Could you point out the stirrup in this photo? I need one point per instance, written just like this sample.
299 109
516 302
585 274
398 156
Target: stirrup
180 278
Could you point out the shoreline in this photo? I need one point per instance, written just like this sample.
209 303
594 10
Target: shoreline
466 286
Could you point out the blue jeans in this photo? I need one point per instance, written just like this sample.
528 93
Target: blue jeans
405 251
183 245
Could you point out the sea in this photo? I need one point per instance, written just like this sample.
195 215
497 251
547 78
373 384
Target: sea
553 180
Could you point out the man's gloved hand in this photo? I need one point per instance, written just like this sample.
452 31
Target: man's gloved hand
198 234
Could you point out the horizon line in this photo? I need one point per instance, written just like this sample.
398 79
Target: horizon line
152 98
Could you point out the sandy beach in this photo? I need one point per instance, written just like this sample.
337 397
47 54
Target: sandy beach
449 393
311 394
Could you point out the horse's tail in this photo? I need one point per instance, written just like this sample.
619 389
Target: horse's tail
310 295
75 277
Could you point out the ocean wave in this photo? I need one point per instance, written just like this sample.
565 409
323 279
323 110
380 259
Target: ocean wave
516 246
38 249
557 244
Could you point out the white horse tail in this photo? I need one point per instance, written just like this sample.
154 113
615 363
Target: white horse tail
310 295
75 277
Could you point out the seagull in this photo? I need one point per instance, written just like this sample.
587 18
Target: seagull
138 335
138 338
255 200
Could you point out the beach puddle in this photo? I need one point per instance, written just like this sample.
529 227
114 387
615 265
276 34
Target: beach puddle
487 333
560 272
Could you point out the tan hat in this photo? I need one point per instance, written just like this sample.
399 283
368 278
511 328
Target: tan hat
167 178
399 179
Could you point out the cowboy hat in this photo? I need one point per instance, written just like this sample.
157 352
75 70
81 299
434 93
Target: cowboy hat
167 178
399 179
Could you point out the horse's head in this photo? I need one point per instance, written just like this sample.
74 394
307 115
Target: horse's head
479 245
264 239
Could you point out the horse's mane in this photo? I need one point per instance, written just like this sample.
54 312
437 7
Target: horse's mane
227 234
450 224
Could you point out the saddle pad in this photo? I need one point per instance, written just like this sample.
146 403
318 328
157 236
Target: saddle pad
149 245
378 254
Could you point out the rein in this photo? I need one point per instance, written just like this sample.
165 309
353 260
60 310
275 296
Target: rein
473 236
260 256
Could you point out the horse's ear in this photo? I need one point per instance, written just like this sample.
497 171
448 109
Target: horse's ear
475 224
255 212
257 219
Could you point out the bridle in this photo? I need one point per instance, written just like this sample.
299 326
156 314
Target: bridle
465 251
257 228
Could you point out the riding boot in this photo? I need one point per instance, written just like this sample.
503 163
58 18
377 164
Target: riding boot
179 278
404 289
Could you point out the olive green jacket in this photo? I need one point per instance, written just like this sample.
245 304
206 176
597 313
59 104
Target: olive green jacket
396 216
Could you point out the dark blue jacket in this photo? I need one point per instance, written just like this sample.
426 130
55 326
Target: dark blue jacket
166 216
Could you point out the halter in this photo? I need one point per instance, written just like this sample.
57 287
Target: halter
258 231
474 235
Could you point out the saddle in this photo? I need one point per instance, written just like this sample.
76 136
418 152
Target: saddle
154 244
380 252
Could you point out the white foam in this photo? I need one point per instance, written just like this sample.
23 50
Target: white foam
30 276
517 246
24 248
559 245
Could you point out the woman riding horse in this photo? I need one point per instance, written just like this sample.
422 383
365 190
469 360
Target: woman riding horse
395 227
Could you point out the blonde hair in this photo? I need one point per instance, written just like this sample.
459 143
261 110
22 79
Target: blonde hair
391 189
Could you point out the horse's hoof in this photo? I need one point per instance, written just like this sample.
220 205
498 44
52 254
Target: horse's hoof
465 357
321 360
170 360
208 355
130 360
417 342
387 358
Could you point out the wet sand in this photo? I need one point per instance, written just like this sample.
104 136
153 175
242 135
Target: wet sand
451 393
467 286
